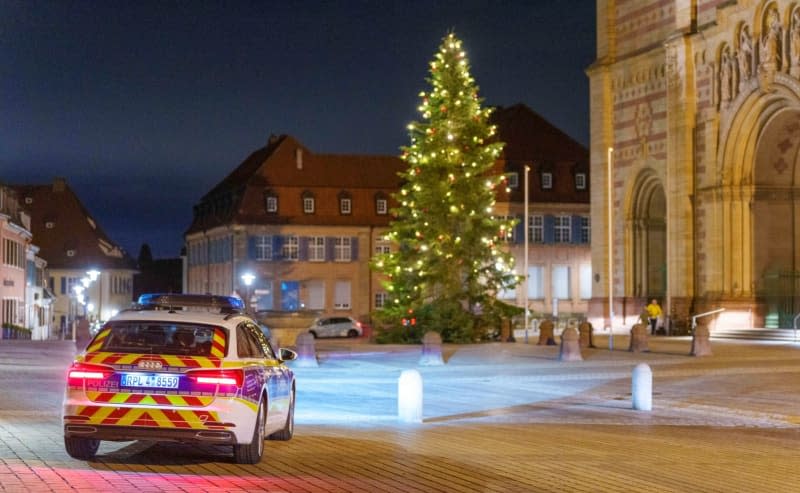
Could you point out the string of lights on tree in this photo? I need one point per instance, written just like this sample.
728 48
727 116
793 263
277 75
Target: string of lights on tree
448 241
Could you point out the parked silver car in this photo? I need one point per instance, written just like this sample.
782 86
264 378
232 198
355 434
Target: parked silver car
335 327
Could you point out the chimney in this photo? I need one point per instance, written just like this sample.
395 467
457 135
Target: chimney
59 185
272 139
298 157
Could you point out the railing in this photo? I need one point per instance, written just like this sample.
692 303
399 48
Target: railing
695 317
794 325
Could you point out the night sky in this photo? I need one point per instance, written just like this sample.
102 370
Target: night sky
144 106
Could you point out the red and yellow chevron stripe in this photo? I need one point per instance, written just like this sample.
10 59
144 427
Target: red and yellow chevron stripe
150 399
167 360
161 418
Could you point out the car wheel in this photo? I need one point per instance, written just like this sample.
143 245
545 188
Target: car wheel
352 333
313 334
288 429
81 448
250 453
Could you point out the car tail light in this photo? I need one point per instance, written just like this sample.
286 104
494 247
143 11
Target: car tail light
217 377
80 372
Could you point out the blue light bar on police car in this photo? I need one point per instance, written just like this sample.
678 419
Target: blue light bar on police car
177 300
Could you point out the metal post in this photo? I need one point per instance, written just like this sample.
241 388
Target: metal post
525 232
610 256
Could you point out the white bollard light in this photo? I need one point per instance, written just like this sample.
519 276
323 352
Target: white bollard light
642 387
409 397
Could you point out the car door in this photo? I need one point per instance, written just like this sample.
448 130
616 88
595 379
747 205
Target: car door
276 378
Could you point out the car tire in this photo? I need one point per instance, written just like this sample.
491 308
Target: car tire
352 333
251 453
313 334
288 429
81 448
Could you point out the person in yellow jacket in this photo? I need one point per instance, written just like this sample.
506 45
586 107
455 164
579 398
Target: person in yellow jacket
653 312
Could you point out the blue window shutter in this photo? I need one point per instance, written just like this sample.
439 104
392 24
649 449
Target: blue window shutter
329 249
251 247
577 222
303 249
549 229
277 247
519 230
354 248
63 285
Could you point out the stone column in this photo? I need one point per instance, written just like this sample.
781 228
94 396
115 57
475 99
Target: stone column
585 331
431 349
306 351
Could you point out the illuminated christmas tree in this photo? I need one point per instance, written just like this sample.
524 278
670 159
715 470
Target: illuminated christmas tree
449 263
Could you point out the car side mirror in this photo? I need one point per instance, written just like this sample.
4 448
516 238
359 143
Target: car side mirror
286 354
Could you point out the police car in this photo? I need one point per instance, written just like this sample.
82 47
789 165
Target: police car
178 367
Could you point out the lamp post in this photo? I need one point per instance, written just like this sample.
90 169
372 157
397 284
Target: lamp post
610 256
525 232
248 279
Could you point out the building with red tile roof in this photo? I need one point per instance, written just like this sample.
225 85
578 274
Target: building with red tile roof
306 225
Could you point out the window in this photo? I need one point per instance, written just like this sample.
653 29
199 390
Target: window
14 254
345 205
562 229
512 179
586 281
580 181
536 282
547 181
381 299
586 230
291 248
316 249
316 294
382 246
536 230
9 311
561 289
71 253
341 295
381 206
271 203
290 296
308 203
342 249
263 247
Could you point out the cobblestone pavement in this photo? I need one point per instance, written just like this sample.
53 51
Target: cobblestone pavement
497 417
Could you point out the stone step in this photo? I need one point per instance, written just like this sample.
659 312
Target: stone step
756 334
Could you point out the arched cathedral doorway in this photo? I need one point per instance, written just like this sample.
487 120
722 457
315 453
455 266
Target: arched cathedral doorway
646 238
776 217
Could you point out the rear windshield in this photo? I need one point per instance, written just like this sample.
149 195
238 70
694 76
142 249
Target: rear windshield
159 338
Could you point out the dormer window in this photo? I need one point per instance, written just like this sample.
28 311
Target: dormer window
308 203
345 203
580 181
547 181
271 202
71 253
49 225
381 204
512 180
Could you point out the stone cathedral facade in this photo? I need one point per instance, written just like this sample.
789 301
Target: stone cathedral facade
700 102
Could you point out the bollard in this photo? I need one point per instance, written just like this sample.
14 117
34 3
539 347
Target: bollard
570 346
409 397
701 343
639 339
585 330
431 350
546 336
642 388
306 352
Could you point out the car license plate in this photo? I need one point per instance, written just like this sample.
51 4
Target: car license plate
149 380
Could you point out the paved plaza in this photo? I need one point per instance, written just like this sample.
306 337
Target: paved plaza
496 417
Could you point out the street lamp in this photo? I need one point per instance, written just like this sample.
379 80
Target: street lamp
248 279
